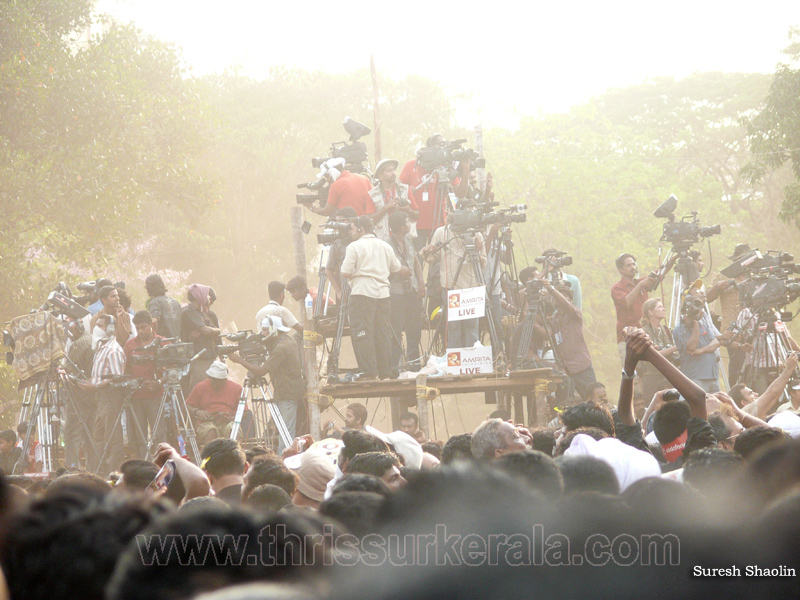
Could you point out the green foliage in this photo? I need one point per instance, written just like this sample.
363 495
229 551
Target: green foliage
774 133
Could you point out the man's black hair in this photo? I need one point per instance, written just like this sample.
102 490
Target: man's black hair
296 283
359 412
527 274
373 463
8 435
458 447
355 510
721 431
566 441
709 470
750 440
104 291
359 442
251 453
536 468
588 414
366 224
670 421
235 533
622 257
137 474
433 448
543 440
736 394
273 472
66 545
587 474
225 457
275 289
361 482
397 220
142 316
155 285
410 415
267 499
346 212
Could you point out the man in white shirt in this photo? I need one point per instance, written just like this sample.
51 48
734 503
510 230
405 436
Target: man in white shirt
275 308
367 265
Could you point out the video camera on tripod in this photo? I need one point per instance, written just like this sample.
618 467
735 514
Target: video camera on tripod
250 346
334 230
431 158
479 217
125 383
555 259
682 234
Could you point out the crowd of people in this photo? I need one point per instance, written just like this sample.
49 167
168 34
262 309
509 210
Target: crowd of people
693 491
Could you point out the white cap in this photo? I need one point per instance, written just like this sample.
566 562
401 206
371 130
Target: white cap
217 370
275 322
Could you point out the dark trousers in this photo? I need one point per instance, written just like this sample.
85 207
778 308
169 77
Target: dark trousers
371 334
108 430
82 408
406 309
145 411
583 380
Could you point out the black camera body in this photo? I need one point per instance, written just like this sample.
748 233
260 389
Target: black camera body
480 217
64 305
433 157
555 259
250 346
692 308
684 232
768 291
334 230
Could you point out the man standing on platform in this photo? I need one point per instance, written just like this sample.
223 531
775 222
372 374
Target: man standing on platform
629 295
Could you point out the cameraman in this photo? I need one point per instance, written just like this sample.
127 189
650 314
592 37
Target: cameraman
368 262
460 334
147 399
336 254
284 368
390 196
346 189
551 271
695 338
567 327
425 198
78 362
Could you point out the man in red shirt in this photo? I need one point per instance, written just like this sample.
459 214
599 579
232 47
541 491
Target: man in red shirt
346 189
212 404
629 295
425 197
147 399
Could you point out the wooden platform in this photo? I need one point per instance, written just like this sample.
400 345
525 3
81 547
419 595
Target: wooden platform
519 382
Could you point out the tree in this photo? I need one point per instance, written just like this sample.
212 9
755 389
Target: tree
774 133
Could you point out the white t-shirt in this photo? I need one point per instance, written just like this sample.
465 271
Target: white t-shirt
273 309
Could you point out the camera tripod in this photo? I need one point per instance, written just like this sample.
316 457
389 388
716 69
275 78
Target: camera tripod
263 408
173 406
42 404
336 344
471 253
535 309
131 422
770 348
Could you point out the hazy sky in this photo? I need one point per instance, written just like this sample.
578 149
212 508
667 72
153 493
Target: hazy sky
510 59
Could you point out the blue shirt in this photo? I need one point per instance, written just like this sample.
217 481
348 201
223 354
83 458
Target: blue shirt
703 366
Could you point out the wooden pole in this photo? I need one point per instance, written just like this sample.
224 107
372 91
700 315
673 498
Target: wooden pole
422 402
376 113
309 327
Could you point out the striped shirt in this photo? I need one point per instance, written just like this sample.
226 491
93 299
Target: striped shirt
109 360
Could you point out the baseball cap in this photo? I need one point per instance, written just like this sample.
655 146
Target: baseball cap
277 322
313 474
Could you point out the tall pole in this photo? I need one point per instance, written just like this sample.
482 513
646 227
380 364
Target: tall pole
309 327
376 113
481 173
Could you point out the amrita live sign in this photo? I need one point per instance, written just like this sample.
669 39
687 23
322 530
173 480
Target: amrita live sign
469 303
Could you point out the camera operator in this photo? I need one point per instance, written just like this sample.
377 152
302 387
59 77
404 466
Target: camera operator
718 286
336 254
425 198
406 293
147 399
389 196
109 298
109 361
567 328
695 338
80 358
213 403
284 368
460 334
730 305
346 189
630 294
200 326
367 265
275 308
95 305
550 271
166 312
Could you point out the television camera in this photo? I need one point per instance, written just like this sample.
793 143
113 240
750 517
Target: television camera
684 232
479 217
334 230
433 157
